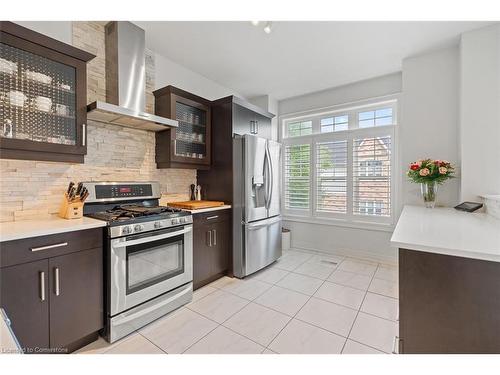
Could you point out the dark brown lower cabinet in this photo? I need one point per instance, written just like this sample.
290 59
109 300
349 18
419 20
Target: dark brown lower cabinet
25 298
76 304
211 246
55 304
448 304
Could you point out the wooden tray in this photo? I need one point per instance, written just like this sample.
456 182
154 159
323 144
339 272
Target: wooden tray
196 205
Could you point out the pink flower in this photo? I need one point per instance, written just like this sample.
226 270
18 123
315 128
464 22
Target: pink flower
443 170
424 172
419 163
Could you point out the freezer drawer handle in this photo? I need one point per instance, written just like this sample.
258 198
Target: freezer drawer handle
257 226
49 246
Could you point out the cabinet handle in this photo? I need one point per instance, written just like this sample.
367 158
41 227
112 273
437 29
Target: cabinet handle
56 280
84 134
215 237
212 217
395 344
209 238
49 246
256 127
42 285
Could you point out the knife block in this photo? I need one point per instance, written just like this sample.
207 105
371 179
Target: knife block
70 210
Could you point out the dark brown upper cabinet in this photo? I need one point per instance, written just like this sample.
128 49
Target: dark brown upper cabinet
43 97
189 145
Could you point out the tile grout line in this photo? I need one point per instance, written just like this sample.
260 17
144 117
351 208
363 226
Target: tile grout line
298 311
360 306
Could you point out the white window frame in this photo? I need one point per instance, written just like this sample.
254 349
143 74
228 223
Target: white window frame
349 219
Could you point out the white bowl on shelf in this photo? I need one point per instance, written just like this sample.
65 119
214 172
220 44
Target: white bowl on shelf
16 98
7 66
43 103
39 77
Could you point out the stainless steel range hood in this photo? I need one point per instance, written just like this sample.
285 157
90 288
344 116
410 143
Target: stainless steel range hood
125 81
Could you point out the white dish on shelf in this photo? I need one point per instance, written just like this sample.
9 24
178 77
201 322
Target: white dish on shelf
17 98
43 103
39 77
7 66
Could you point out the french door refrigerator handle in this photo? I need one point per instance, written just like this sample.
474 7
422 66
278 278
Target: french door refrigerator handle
269 178
271 173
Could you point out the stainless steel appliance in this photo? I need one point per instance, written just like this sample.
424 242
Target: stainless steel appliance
149 254
126 81
256 204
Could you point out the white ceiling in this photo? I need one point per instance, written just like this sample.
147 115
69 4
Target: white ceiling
297 57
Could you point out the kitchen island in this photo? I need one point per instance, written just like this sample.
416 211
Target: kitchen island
449 281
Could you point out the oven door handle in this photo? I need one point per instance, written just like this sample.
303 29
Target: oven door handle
152 238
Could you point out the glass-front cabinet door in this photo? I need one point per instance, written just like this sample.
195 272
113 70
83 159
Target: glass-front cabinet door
42 97
188 145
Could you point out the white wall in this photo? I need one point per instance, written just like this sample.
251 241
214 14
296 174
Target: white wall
429 118
168 72
480 112
367 89
332 238
60 30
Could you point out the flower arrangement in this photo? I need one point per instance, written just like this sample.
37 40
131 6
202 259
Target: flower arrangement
430 171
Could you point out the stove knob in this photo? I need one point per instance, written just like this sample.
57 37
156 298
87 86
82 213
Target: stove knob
175 221
158 224
126 230
138 228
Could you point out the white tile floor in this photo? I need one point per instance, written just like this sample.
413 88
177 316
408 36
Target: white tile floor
306 303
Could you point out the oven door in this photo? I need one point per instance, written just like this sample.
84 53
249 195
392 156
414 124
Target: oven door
144 266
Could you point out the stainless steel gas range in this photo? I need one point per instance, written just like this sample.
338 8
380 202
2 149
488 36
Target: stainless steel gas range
148 250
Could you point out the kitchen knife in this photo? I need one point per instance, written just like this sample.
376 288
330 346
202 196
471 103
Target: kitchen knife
70 186
72 194
79 188
85 194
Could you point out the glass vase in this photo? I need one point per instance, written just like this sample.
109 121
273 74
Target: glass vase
429 193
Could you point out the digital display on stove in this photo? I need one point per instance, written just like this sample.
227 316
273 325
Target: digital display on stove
123 191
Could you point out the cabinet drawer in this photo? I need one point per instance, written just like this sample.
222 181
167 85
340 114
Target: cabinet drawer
42 247
212 217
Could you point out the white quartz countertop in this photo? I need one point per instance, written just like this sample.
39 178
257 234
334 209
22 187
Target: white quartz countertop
201 210
448 231
15 230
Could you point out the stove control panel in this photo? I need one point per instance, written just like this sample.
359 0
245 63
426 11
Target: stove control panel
125 230
114 191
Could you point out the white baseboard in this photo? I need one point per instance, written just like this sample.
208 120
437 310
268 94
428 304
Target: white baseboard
353 253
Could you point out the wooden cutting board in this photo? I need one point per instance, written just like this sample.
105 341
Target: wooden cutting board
196 205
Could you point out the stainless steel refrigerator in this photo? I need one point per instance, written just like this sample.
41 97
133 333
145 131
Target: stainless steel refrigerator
256 203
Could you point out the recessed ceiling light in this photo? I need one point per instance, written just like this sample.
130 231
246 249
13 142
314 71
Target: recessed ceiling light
267 28
255 23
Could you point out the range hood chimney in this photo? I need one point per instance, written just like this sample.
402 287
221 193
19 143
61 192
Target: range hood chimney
126 81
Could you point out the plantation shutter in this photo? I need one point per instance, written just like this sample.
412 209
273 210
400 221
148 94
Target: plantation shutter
372 176
297 176
331 176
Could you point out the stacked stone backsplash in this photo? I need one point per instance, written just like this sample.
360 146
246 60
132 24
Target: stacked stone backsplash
32 189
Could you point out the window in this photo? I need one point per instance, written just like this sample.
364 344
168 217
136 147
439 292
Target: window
371 173
331 176
336 123
297 176
370 168
299 128
341 165
370 207
379 117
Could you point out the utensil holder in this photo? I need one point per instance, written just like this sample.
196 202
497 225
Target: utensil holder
70 210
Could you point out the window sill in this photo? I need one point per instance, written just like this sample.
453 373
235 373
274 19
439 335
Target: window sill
380 227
